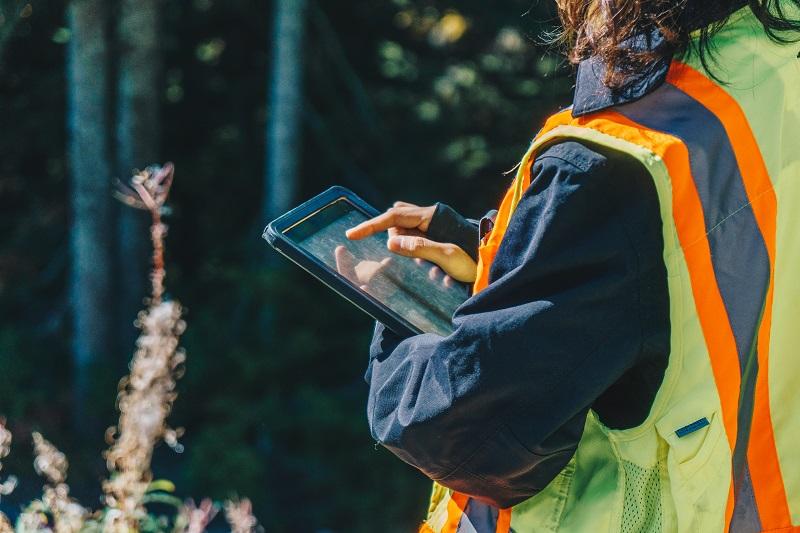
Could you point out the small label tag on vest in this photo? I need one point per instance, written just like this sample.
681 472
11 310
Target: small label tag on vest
691 428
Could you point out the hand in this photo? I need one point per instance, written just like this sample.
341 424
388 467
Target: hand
407 224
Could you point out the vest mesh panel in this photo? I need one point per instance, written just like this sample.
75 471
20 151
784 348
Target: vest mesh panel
642 510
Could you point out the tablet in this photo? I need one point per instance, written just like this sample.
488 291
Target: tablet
410 296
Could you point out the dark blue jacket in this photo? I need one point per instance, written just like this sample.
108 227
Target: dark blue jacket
576 316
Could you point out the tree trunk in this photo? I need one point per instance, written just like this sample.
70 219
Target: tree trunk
91 231
11 13
137 141
285 106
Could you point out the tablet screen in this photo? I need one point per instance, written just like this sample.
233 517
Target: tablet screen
415 290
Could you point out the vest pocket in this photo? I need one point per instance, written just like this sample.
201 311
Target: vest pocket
691 441
698 468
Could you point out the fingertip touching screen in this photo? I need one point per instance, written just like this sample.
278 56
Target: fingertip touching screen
415 290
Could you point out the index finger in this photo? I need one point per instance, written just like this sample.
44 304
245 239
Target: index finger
393 217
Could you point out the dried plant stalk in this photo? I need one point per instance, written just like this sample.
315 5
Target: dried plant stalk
33 519
5 524
48 460
148 392
68 514
148 190
145 400
195 519
239 514
7 486
52 464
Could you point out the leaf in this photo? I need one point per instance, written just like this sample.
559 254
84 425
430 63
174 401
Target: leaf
160 497
164 485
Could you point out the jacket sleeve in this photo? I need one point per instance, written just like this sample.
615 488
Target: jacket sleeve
447 225
496 409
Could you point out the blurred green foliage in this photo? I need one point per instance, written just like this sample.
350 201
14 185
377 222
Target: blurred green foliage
419 100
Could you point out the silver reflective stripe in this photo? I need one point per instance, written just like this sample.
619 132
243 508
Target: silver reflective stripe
478 517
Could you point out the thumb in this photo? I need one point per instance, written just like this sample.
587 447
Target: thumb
449 257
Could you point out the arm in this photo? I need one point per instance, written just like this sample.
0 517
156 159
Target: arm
496 409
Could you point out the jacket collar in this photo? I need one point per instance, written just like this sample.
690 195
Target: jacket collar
592 95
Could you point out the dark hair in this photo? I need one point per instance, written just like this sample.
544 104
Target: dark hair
599 27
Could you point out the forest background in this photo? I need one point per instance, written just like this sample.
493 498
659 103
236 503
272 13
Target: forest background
259 104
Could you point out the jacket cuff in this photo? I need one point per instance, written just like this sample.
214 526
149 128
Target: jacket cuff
448 226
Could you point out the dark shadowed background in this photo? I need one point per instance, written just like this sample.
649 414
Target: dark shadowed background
396 99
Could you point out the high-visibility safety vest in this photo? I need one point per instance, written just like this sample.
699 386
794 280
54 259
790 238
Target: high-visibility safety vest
720 448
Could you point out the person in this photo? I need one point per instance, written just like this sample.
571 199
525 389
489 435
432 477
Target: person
627 360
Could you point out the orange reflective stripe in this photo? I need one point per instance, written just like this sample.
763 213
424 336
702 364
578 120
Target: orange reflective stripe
455 510
562 117
765 471
456 504
504 521
458 519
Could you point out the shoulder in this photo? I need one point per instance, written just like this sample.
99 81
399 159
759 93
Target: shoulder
571 156
581 158
576 166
